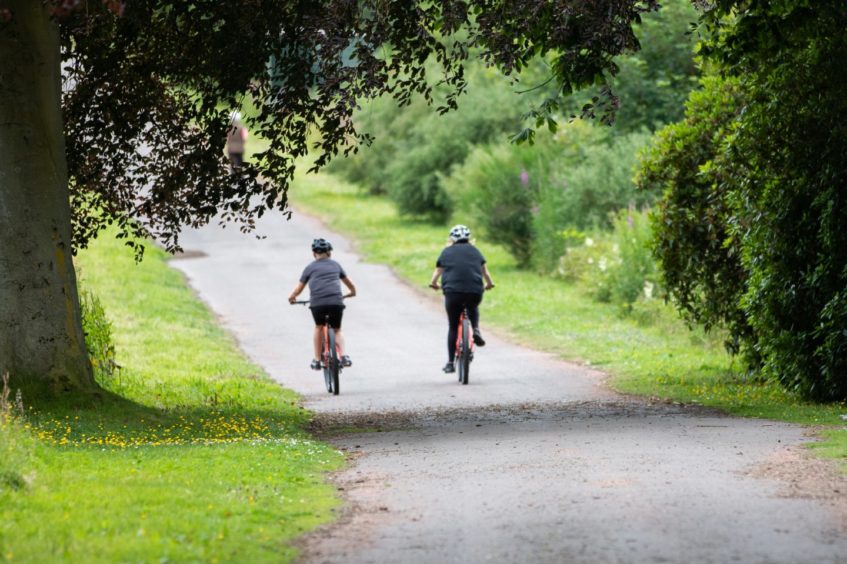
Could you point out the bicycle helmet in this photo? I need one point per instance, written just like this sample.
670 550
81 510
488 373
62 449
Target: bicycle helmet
321 246
460 233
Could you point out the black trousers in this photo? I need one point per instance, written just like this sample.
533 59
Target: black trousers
454 303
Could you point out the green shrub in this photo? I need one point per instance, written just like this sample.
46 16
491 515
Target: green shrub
616 266
552 220
752 231
413 177
589 264
601 183
528 197
792 206
699 253
590 181
511 191
98 336
496 187
634 274
388 125
415 146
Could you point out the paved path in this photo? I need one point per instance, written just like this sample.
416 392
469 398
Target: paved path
534 461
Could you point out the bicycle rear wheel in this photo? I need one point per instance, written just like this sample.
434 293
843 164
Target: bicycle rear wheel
465 352
325 362
334 363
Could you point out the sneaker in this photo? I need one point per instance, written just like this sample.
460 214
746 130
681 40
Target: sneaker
345 361
449 368
316 365
477 338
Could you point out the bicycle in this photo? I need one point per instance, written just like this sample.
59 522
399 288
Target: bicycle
465 343
464 347
330 361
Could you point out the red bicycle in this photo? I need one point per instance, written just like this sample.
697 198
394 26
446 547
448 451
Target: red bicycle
330 358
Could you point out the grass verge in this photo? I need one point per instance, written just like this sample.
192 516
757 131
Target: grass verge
192 453
650 352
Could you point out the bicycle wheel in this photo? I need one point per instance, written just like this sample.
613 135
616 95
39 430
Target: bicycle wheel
458 362
325 362
465 358
334 363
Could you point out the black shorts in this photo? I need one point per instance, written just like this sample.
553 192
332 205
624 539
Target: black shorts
334 311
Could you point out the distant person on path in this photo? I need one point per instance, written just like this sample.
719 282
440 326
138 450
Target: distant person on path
236 138
462 270
324 277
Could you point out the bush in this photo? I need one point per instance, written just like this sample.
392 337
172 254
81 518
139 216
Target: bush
589 183
415 147
98 336
752 231
792 207
634 275
588 264
699 254
413 177
616 267
654 82
528 197
602 182
552 222
388 124
496 187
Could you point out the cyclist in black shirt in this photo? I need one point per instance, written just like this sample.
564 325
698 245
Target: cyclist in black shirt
464 277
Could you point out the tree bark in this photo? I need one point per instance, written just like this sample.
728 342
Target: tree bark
41 338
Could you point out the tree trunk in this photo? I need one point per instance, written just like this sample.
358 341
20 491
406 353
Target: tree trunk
41 338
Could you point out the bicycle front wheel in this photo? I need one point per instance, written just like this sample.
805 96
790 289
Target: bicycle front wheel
334 363
465 352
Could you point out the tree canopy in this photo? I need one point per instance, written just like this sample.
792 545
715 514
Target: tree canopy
164 76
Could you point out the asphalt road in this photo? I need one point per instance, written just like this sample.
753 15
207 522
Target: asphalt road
534 461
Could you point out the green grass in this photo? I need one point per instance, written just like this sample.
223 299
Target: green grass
192 454
650 352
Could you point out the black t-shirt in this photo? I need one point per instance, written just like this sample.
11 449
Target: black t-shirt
462 264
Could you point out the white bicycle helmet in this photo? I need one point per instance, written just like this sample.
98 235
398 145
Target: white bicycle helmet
460 233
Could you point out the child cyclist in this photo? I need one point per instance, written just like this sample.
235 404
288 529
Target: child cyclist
324 277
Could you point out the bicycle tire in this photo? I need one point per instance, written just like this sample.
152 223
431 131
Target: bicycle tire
465 359
325 361
458 362
334 363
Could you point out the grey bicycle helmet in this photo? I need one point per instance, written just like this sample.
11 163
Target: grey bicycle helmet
460 233
321 246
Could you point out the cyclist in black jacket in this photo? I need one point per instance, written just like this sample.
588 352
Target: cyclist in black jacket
464 277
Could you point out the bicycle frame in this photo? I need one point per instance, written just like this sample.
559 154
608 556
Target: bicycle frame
330 363
460 332
464 346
